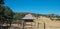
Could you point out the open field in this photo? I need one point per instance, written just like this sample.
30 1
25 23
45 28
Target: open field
37 24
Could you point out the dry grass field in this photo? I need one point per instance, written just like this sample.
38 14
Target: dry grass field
49 24
39 24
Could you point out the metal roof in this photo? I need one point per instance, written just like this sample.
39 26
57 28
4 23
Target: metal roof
29 16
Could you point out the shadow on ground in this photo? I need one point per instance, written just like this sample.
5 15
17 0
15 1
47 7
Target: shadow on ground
8 27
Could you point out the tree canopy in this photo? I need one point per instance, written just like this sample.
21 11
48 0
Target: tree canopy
1 2
18 15
8 12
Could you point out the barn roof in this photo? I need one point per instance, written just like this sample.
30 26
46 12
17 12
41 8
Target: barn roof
29 16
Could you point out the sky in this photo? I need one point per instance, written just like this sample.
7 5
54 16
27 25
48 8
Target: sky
35 6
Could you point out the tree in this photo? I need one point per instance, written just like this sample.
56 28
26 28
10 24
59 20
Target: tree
8 14
1 2
18 16
1 8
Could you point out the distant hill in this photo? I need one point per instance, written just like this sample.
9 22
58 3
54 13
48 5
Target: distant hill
22 14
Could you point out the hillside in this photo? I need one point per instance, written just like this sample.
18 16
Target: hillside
22 14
